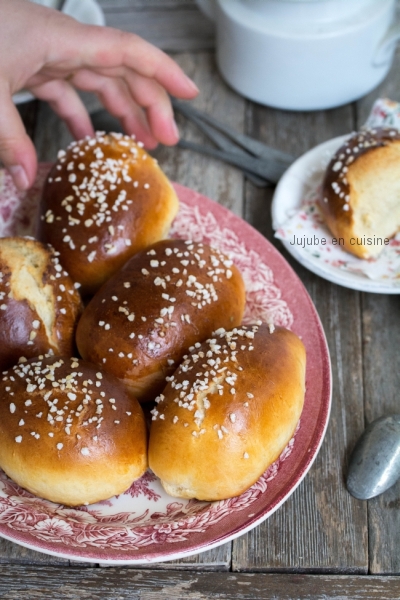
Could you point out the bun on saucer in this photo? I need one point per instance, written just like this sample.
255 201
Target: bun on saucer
165 298
39 303
361 191
69 432
227 412
104 200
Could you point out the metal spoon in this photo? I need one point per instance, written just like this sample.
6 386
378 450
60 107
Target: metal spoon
375 462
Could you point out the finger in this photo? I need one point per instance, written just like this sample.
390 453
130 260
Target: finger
115 96
66 103
104 47
145 92
17 151
149 94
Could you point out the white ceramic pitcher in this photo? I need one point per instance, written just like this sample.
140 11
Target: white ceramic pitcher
304 54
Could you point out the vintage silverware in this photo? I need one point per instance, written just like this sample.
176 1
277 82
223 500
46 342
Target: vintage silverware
223 143
375 462
250 155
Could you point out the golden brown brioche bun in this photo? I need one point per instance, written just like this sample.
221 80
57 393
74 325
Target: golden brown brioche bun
228 412
39 305
104 200
69 432
166 298
361 191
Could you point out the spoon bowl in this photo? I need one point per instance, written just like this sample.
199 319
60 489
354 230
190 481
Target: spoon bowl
375 462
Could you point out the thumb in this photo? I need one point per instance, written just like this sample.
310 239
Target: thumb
17 151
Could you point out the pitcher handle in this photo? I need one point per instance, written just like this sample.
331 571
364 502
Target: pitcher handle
386 46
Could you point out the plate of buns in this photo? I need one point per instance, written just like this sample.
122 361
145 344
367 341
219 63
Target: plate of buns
337 210
165 379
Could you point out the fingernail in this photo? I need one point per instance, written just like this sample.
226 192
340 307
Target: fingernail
175 130
192 84
19 177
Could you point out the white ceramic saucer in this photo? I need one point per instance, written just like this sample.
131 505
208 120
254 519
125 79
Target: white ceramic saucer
301 181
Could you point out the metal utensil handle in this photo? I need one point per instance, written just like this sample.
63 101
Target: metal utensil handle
254 165
254 146
224 144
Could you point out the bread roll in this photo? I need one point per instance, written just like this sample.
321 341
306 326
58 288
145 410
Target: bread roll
39 304
164 299
361 191
104 200
228 412
69 432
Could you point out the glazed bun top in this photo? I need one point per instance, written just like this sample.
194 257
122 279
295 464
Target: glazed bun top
104 200
75 405
69 432
228 411
164 299
39 302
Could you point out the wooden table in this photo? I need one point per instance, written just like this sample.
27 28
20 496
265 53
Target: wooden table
321 543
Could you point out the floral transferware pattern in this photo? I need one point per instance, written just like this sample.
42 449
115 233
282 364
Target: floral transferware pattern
90 526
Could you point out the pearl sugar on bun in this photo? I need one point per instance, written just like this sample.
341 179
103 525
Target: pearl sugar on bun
164 299
104 200
227 412
69 432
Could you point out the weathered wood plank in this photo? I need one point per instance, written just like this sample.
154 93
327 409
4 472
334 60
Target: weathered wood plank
321 527
130 584
28 114
51 134
172 26
16 554
381 337
381 332
217 559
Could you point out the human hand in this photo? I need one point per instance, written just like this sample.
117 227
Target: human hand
50 54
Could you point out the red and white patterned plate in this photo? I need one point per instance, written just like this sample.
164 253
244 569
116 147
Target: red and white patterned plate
145 524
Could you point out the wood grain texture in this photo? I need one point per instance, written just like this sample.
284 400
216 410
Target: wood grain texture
381 333
321 527
11 553
28 113
217 559
172 26
51 134
381 337
130 584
